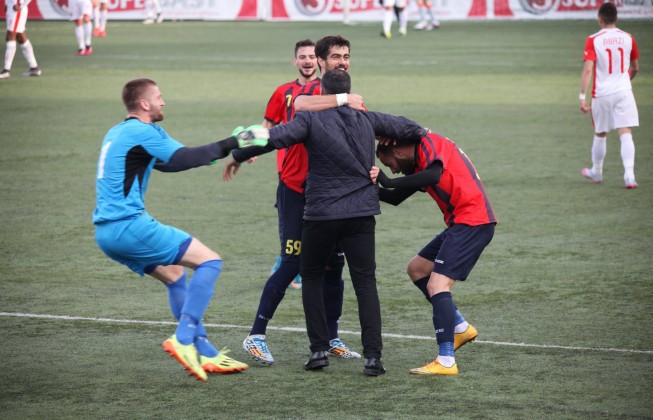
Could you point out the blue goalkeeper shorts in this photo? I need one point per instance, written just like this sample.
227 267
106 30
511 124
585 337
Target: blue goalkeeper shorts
142 243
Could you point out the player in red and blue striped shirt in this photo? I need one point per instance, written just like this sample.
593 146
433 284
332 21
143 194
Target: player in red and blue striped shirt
436 165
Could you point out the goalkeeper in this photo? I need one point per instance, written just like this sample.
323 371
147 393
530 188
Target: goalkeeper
129 235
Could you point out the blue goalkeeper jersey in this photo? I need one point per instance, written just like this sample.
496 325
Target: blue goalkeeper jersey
127 157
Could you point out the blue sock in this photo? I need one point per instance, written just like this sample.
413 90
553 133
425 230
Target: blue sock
198 297
186 329
202 343
204 346
273 293
444 317
177 295
459 317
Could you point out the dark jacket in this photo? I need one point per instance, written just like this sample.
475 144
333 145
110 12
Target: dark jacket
341 151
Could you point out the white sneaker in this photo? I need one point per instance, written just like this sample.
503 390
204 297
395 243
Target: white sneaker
257 347
420 25
148 21
589 174
630 183
33 72
5 74
159 18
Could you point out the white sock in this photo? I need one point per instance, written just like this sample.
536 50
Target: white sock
9 54
403 20
628 155
157 7
96 16
461 328
103 19
79 35
88 31
446 361
28 53
388 17
599 148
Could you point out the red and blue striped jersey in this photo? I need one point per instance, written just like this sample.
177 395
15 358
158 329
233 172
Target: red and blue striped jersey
460 194
292 163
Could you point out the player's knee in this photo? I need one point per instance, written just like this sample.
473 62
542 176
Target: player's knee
418 268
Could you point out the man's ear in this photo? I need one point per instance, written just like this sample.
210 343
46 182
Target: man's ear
145 104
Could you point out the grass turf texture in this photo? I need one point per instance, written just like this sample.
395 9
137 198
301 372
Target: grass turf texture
569 267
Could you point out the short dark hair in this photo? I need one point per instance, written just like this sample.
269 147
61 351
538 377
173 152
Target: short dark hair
323 45
608 13
384 149
336 81
134 91
303 43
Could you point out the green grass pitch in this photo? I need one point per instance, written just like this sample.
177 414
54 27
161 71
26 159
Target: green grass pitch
562 297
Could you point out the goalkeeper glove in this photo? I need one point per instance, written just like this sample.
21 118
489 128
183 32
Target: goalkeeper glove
254 135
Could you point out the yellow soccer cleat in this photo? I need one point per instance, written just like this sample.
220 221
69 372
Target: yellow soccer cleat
464 337
187 356
435 368
221 363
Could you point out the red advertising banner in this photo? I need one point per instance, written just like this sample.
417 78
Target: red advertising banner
348 10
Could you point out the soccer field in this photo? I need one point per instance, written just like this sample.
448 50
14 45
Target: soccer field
562 298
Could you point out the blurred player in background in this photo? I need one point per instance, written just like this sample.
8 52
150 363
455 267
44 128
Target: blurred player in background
292 164
153 9
389 14
427 20
437 166
81 11
16 13
611 55
100 14
129 235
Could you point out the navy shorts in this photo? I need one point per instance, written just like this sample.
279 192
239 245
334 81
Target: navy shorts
456 250
290 206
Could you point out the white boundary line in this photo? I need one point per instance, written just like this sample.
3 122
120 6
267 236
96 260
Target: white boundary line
295 329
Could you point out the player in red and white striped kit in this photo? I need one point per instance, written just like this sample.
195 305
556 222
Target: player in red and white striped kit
611 57
16 11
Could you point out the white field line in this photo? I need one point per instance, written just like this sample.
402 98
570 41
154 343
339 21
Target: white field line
295 329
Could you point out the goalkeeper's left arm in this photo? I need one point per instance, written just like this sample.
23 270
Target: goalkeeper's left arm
191 157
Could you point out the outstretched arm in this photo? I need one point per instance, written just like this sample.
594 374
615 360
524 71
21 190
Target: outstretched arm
322 102
191 157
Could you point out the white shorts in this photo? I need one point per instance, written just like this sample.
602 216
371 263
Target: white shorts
392 3
16 20
611 112
79 8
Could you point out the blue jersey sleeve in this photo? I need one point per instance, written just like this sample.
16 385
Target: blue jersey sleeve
159 144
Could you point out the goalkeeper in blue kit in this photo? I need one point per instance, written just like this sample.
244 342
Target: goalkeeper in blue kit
129 235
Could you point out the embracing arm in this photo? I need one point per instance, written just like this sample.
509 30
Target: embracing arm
395 196
393 127
322 102
429 176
